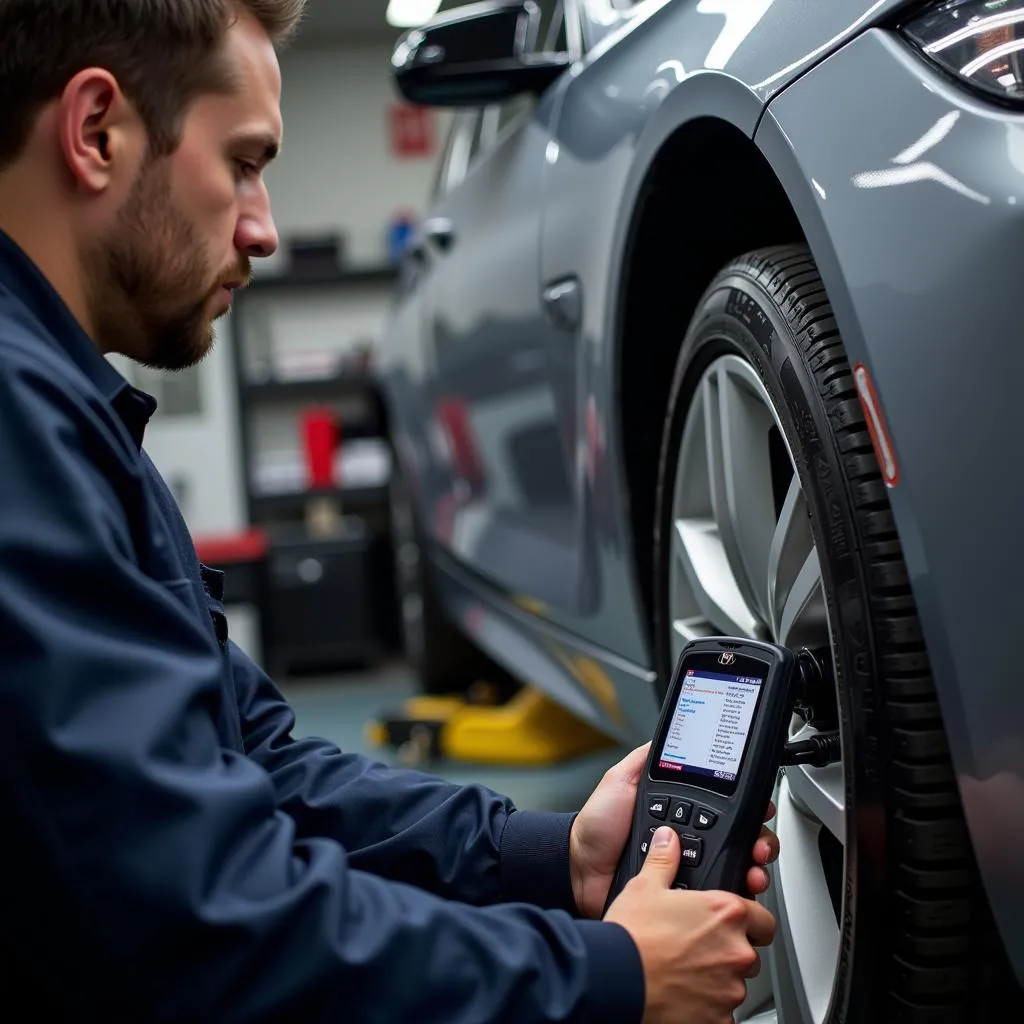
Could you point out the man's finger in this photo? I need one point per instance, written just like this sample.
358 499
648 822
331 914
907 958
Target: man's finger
760 924
758 881
771 811
662 861
631 767
766 849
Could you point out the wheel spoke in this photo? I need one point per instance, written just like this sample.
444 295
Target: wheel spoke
686 630
699 553
819 793
791 544
738 425
807 945
803 618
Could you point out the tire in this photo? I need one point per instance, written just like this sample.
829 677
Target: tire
915 940
440 657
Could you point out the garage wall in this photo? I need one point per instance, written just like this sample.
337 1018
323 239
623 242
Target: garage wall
336 172
336 169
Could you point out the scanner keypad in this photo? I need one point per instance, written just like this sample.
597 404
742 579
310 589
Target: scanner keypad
704 818
680 813
657 806
690 851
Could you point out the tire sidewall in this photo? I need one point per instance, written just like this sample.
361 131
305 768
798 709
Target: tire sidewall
737 316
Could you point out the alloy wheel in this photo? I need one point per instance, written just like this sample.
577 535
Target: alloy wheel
744 563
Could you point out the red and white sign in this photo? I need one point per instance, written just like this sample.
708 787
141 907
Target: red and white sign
412 131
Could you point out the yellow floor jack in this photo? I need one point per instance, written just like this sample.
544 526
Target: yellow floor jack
527 729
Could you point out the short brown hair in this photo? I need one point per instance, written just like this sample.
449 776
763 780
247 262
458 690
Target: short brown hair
164 53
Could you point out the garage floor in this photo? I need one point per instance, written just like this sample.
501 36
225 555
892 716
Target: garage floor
338 708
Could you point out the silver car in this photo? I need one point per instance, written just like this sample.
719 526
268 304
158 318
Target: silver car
711 328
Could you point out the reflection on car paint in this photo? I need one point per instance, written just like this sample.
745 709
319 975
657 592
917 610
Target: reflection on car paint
911 169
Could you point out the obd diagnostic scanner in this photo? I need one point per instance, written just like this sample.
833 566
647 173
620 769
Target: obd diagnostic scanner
716 753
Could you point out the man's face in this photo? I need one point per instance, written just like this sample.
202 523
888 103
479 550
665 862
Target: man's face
184 238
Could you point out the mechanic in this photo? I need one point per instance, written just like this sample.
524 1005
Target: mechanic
171 852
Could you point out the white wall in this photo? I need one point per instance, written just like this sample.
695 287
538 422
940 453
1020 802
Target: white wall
336 169
335 172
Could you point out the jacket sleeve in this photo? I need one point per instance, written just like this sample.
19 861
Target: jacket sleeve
150 869
460 842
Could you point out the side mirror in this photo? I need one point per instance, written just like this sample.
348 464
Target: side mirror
475 55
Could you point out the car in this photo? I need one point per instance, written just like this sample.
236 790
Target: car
709 328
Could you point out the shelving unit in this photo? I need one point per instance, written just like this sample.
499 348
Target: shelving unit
292 390
269 389
303 341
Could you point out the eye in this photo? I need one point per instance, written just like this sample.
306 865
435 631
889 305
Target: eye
247 169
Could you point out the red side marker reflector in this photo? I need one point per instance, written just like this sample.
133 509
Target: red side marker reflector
881 440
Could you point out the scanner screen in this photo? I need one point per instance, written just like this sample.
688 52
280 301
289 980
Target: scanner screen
708 732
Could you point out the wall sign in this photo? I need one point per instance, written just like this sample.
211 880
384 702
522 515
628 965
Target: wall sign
412 131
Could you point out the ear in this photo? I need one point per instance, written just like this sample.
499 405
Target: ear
98 126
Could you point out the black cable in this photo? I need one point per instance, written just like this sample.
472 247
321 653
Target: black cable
818 750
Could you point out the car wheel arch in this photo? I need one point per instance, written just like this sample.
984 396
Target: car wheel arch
658 285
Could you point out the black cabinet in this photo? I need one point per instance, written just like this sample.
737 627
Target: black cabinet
325 600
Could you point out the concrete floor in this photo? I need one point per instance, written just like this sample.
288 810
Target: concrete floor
338 708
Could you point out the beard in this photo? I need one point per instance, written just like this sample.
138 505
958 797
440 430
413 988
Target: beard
150 282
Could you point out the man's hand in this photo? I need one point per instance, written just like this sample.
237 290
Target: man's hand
697 948
601 829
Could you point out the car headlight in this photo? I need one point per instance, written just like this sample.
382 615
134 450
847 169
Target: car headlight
981 42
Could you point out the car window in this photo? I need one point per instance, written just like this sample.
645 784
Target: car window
474 132
551 15
495 120
437 187
460 147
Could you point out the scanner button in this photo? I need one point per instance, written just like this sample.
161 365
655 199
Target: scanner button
704 818
645 846
681 811
690 851
657 807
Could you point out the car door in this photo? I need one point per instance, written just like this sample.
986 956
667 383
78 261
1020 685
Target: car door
503 402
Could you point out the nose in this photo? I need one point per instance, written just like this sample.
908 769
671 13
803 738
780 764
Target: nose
256 234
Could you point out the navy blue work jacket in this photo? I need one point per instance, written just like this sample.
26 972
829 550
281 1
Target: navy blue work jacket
168 851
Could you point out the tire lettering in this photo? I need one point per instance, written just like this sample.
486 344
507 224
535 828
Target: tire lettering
748 311
838 530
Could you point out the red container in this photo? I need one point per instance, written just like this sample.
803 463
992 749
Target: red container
320 437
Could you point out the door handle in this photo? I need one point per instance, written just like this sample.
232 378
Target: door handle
563 301
440 231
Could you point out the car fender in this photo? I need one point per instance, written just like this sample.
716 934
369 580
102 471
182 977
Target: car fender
926 304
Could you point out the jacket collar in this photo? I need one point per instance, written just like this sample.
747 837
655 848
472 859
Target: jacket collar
20 276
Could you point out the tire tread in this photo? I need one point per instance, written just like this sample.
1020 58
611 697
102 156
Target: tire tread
937 970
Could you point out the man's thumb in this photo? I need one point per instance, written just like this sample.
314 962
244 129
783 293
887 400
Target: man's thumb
662 861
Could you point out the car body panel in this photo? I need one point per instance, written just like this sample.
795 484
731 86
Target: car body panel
916 222
663 66
496 378
907 189
612 694
764 44
552 542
